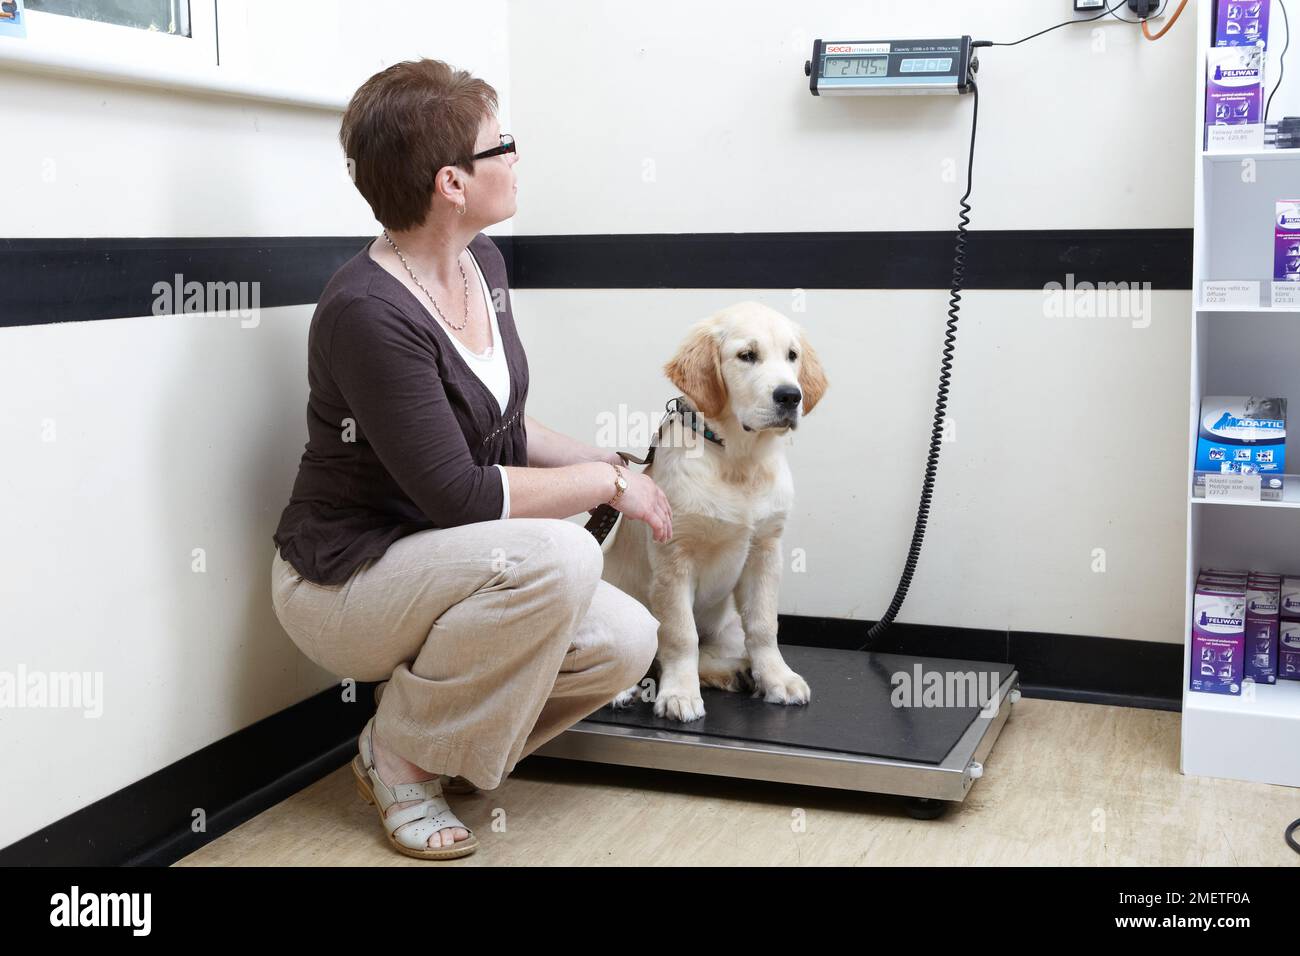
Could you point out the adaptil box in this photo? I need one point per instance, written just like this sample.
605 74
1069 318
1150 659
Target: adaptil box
1218 638
1242 435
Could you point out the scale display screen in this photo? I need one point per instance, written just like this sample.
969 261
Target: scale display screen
856 67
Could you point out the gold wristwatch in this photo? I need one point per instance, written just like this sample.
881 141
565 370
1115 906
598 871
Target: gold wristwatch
620 484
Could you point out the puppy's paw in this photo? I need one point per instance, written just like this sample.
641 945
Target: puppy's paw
786 687
679 700
679 707
626 698
726 673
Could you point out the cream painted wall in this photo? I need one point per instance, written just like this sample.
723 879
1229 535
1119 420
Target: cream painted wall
1071 434
682 116
1063 448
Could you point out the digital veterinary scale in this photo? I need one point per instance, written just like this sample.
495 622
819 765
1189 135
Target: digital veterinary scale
875 67
852 735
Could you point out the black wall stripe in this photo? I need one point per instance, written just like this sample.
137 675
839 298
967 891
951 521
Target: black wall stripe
1096 670
148 823
853 260
78 280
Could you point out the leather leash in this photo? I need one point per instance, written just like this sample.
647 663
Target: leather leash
604 517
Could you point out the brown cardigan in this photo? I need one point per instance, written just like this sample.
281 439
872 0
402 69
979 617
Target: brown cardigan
427 429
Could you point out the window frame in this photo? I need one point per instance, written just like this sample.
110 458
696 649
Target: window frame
107 52
127 46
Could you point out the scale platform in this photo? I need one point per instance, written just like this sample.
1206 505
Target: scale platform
848 737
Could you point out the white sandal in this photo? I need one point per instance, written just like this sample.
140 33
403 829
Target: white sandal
449 784
409 829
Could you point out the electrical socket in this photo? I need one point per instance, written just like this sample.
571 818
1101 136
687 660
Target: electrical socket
1150 9
1135 8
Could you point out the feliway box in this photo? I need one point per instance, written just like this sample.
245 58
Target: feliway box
1220 582
1263 600
1286 247
1241 23
1289 603
1218 638
1288 649
1235 85
1227 574
1242 435
1288 652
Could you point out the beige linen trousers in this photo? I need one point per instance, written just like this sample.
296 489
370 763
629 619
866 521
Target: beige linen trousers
494 636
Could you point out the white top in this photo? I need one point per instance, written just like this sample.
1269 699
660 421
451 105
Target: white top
491 368
490 365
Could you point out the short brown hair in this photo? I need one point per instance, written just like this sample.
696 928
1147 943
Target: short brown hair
403 125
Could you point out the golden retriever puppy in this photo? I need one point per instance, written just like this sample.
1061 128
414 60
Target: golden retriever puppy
713 586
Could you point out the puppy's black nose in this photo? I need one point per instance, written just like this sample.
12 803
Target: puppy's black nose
788 397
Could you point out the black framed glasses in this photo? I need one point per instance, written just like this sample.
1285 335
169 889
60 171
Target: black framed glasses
507 146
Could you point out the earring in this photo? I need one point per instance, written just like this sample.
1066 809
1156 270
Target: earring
461 209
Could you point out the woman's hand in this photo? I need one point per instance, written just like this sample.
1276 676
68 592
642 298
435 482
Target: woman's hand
645 501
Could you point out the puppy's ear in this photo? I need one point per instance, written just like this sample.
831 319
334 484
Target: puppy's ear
812 380
697 370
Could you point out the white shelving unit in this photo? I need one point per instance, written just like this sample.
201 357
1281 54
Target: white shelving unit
1244 350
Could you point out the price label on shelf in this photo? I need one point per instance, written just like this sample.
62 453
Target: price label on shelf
1232 488
1230 293
1286 295
1238 138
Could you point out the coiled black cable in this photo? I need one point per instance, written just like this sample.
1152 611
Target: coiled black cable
941 400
